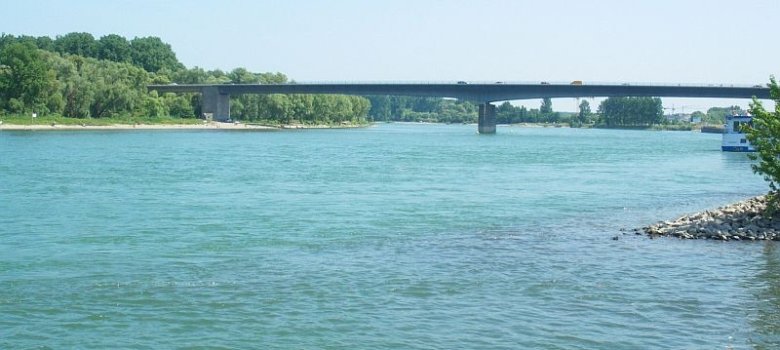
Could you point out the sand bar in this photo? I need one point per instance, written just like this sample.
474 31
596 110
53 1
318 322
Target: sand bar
203 126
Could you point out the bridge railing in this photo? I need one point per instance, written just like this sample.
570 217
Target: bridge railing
526 82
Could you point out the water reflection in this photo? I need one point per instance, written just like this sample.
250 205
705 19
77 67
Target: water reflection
766 321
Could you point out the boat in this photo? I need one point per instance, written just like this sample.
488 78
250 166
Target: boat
734 138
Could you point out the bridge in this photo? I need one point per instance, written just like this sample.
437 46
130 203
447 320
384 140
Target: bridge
216 97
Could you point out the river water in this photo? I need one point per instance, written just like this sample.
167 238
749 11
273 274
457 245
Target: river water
393 236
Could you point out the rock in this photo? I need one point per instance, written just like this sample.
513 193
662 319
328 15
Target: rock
740 221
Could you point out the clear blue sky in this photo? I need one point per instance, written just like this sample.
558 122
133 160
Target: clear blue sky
692 41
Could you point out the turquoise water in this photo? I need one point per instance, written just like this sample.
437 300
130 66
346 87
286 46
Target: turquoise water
394 236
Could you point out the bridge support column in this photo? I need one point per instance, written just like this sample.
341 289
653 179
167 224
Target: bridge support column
215 103
487 119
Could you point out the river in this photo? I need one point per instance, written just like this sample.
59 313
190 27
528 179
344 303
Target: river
392 236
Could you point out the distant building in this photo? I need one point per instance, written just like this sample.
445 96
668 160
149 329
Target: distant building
680 117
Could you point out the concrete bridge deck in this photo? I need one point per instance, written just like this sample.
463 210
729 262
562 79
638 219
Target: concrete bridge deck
216 97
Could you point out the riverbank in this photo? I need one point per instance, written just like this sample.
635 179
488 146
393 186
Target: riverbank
743 220
202 126
655 127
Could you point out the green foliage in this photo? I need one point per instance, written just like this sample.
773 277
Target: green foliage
24 76
421 109
24 119
546 107
584 112
114 48
764 135
153 54
508 114
631 111
717 115
79 87
45 43
76 76
80 44
439 110
698 115
583 116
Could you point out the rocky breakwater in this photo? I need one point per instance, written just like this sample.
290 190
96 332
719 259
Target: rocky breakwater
740 221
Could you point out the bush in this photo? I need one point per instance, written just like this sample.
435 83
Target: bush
764 135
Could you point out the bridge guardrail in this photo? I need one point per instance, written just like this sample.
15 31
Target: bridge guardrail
513 82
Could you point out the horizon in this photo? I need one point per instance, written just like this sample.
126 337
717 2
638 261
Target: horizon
607 41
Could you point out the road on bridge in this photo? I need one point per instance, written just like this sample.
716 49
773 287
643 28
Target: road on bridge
216 97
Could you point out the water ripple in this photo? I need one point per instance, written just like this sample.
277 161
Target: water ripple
395 236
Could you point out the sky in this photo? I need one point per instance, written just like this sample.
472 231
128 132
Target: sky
659 41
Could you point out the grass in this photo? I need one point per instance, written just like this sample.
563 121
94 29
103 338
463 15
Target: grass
277 123
60 120
656 127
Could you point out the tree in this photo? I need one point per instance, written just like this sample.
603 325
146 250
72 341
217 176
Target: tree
546 107
242 76
505 113
380 108
23 74
193 75
81 44
153 54
584 113
631 111
45 43
764 135
115 48
78 77
717 115
272 78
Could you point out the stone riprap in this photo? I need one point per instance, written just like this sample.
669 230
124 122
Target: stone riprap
739 221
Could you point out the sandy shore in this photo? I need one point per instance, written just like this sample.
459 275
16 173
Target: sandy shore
204 126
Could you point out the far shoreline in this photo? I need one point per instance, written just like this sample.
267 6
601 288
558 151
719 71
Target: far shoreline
203 126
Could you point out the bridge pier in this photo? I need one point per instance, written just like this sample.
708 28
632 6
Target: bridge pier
487 118
215 103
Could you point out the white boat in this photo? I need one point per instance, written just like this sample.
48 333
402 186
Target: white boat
734 139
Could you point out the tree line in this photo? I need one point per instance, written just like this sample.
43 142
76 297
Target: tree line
149 53
421 109
442 110
631 111
717 115
612 112
506 113
78 76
